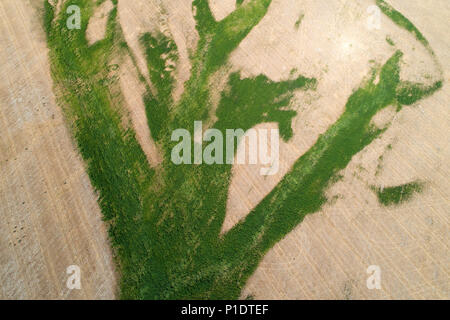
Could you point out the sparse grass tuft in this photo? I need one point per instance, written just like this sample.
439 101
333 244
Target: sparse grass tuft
299 21
390 41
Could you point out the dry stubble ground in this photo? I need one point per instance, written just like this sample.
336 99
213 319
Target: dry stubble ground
50 218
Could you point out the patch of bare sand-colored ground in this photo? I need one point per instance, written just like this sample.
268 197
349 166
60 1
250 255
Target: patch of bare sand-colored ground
137 18
97 24
50 218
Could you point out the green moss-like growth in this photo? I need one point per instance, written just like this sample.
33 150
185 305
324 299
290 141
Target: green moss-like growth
397 195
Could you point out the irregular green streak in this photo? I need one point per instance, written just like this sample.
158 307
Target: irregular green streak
299 21
116 165
397 195
402 22
162 54
49 15
409 92
206 23
301 191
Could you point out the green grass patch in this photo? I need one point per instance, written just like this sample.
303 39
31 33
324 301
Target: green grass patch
402 21
396 195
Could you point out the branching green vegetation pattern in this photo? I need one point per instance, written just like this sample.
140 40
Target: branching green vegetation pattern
165 222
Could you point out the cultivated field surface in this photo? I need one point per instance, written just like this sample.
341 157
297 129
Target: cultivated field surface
359 91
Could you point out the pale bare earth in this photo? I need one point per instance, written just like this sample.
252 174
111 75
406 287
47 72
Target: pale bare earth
222 8
133 90
97 24
136 18
50 216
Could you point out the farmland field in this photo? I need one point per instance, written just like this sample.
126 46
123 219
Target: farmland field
357 90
